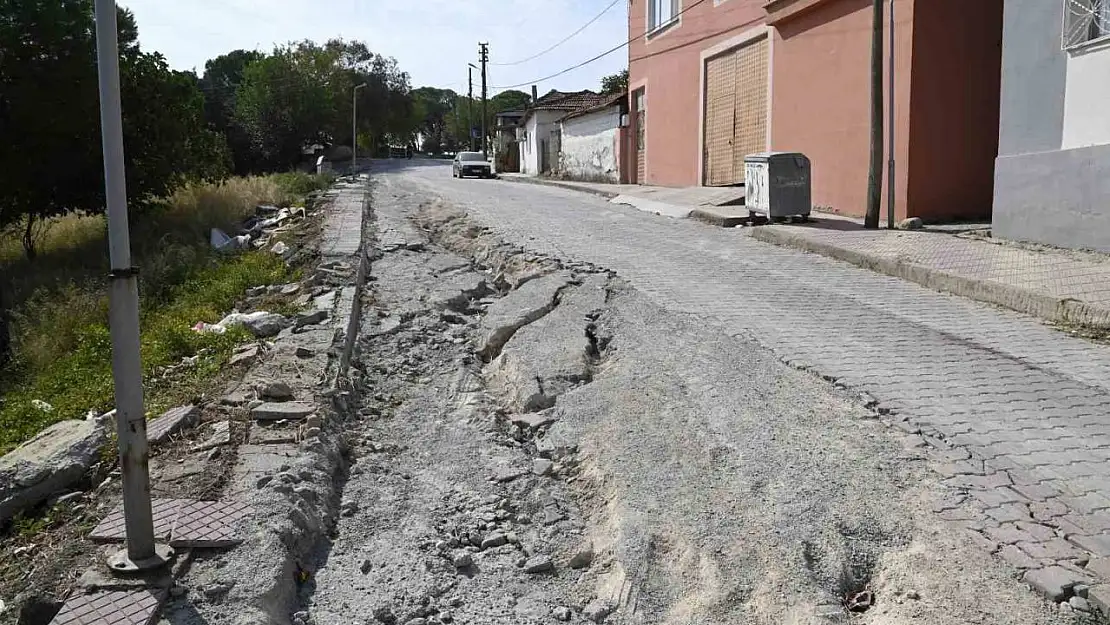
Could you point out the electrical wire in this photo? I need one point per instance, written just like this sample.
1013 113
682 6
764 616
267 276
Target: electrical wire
562 41
588 61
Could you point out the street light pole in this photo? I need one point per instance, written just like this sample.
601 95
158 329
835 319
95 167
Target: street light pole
141 552
354 128
470 67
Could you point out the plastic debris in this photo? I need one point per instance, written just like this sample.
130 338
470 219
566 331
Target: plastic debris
860 602
224 243
41 405
280 248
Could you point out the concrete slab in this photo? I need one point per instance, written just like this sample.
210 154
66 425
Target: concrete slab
111 607
653 206
505 316
209 524
171 422
112 529
276 411
50 462
722 216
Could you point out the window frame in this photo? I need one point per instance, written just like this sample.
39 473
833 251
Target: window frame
1095 33
653 24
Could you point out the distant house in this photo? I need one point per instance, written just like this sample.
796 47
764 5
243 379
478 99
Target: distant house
593 142
539 134
506 153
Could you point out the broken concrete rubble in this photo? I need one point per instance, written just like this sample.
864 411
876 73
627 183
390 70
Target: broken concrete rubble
276 411
505 316
51 461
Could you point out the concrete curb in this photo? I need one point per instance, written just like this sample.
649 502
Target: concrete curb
716 219
1043 305
354 322
562 185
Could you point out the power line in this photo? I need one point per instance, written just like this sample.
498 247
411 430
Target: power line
588 61
562 41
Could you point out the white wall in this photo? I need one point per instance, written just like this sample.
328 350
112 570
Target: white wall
1087 97
539 126
590 146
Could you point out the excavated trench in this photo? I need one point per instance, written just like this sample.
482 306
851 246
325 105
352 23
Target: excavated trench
540 443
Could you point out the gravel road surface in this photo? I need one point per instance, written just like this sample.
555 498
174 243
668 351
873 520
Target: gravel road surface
545 442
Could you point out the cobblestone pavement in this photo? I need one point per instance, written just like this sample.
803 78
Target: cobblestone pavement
1018 413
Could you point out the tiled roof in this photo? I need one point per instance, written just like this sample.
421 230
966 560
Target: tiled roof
603 102
559 101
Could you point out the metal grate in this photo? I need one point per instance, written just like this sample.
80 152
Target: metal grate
1084 21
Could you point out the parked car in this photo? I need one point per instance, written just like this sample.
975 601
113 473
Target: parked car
471 164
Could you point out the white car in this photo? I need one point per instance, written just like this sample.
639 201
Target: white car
471 164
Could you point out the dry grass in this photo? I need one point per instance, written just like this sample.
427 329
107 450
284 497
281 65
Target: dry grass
61 342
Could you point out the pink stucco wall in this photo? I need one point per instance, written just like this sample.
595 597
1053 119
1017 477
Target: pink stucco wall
668 66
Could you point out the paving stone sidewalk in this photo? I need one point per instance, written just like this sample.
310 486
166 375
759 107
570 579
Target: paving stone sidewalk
1058 285
1018 413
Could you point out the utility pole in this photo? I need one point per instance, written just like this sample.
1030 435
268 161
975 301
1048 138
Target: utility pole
354 128
483 56
890 129
470 67
874 174
141 553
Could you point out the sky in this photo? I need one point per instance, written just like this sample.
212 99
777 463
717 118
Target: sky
432 40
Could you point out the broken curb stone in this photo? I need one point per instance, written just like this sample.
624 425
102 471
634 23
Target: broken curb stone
542 466
539 564
276 411
496 539
1054 582
266 325
311 318
276 391
50 462
171 422
598 610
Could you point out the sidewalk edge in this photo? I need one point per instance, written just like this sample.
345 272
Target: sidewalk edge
560 184
1049 307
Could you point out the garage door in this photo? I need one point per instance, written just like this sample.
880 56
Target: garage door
735 111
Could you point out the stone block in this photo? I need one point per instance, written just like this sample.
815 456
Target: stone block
51 461
1054 582
171 422
276 411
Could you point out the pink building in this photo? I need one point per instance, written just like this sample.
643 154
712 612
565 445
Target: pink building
721 79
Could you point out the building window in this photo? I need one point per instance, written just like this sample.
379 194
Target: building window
1085 20
662 13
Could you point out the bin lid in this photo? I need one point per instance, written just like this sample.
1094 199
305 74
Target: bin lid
765 157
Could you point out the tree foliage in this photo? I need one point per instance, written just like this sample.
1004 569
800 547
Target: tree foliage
220 84
50 158
615 83
301 95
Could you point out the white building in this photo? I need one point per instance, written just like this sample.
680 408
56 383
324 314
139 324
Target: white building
540 133
591 141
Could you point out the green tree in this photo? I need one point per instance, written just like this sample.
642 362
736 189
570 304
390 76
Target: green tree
221 80
615 83
301 95
50 159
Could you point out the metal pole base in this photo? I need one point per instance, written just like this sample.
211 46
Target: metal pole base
121 562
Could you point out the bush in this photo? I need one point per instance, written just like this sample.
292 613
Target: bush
60 337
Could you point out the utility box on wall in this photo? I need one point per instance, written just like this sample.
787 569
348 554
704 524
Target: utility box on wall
777 184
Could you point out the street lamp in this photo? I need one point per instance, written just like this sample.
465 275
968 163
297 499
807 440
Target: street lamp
354 127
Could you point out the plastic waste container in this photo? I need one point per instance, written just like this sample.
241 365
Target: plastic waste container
777 184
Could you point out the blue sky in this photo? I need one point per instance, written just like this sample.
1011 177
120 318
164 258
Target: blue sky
433 40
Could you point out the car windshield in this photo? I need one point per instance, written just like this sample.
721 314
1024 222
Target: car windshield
471 156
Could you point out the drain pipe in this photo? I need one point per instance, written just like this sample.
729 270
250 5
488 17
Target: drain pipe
890 188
